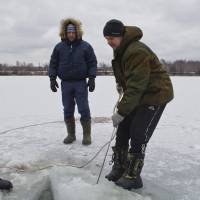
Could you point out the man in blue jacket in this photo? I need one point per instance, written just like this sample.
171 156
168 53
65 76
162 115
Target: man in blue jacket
73 61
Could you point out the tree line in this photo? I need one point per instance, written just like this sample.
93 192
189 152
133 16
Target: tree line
178 67
181 67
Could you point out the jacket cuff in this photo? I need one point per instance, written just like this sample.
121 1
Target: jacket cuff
52 78
122 114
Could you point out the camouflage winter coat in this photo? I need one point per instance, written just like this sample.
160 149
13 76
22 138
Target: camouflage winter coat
138 70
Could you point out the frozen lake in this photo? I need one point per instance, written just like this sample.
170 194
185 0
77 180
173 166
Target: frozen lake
172 164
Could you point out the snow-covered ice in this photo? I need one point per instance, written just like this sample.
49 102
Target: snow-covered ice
38 163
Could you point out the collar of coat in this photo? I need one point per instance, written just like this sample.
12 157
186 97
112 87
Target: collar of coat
73 43
132 34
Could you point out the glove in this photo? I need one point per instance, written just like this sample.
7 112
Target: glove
5 185
91 84
117 119
54 85
119 88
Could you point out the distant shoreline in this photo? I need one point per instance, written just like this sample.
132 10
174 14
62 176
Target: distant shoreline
108 73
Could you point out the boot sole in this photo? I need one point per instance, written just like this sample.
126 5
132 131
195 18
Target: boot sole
86 143
129 188
69 142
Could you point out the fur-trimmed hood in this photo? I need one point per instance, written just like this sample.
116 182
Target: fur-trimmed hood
65 22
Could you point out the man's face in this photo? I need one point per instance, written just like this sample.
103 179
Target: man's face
71 36
114 42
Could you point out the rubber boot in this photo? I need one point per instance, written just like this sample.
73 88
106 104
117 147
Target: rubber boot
5 185
119 158
131 178
70 124
86 125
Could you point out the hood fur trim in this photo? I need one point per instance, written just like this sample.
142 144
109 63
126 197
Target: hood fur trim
65 22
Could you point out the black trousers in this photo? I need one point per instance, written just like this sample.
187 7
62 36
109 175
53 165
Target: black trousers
138 127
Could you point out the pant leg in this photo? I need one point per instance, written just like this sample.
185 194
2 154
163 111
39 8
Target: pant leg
123 132
144 122
81 96
68 101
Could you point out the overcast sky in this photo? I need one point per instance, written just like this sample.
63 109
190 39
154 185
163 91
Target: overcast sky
29 28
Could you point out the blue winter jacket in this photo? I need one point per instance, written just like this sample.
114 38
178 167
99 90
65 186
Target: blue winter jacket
73 61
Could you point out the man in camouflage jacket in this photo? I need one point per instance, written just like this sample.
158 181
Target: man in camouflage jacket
146 88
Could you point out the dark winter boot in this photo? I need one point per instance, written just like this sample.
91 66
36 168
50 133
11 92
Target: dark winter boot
5 185
119 158
70 124
131 178
86 132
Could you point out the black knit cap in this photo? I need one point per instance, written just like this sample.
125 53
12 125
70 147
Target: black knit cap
114 28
